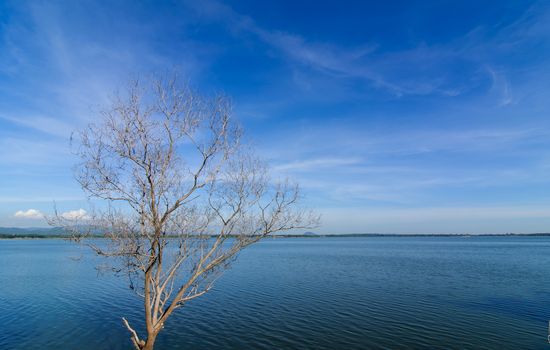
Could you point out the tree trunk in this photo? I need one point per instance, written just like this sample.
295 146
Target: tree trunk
149 343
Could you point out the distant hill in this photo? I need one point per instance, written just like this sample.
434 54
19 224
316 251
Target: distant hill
309 233
31 231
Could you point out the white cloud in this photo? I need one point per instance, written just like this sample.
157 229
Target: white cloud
75 214
29 214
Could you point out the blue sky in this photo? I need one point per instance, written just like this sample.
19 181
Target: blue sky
394 116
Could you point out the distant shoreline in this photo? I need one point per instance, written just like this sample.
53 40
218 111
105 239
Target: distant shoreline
57 236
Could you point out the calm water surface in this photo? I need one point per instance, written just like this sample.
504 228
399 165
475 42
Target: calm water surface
311 293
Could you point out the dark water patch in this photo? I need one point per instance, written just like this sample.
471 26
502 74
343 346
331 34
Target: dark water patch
322 293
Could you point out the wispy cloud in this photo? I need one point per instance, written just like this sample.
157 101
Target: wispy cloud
406 167
421 70
474 219
501 87
48 125
23 151
316 164
325 57
39 199
351 141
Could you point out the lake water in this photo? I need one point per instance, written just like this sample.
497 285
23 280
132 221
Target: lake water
297 293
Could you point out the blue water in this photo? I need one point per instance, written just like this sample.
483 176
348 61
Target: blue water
310 293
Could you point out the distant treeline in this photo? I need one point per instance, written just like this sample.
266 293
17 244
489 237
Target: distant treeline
59 233
430 234
416 235
29 235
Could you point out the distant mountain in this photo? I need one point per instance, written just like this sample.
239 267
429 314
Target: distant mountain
309 233
41 231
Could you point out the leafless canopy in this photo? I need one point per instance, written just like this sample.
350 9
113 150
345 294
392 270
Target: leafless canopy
183 194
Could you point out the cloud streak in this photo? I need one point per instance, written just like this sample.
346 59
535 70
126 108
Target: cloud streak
316 164
433 220
421 70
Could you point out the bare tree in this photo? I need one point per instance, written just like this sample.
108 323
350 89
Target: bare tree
184 195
